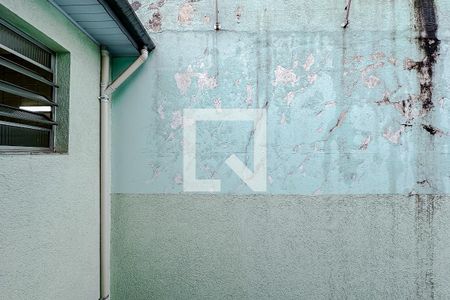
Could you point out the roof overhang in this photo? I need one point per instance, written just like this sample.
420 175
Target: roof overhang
112 24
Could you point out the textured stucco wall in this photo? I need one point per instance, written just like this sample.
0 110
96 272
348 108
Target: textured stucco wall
280 247
49 207
360 113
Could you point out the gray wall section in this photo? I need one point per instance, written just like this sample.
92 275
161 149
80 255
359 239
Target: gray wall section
280 247
49 207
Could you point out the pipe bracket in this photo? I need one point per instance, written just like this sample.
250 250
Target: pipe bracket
104 98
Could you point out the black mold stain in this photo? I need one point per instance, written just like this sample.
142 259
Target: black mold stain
424 182
425 11
431 130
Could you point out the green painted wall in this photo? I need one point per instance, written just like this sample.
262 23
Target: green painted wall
49 206
280 247
358 153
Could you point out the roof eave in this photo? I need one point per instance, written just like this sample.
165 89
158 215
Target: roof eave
124 15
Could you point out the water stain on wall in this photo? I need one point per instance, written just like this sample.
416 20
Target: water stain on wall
428 43
426 206
426 22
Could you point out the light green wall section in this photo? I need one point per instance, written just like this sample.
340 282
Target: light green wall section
280 247
348 115
49 208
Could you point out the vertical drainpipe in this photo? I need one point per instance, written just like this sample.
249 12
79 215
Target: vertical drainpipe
106 89
105 182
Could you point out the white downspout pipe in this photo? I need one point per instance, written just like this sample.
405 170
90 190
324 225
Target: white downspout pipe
106 90
128 72
105 185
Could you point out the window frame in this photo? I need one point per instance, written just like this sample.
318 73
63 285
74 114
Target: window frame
4 149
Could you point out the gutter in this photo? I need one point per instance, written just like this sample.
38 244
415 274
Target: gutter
125 17
106 90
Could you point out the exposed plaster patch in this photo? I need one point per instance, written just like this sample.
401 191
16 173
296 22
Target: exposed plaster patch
378 55
409 64
309 62
392 61
394 136
136 5
372 81
284 76
289 98
177 120
184 80
155 23
204 80
312 78
249 99
365 143
185 13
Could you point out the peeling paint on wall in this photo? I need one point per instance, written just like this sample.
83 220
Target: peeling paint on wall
185 13
284 76
335 95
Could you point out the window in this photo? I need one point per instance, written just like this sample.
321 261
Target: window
27 92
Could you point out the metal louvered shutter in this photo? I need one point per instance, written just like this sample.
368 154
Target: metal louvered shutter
27 92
